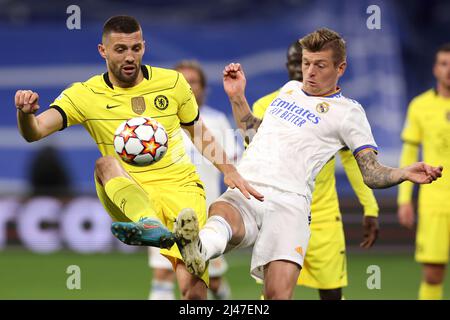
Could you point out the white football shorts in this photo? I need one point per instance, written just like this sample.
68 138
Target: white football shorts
278 227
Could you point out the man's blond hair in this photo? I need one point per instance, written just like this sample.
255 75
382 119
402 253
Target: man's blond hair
324 39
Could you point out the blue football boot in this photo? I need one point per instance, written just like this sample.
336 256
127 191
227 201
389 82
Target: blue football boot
146 232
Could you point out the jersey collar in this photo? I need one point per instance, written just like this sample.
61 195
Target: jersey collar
335 93
109 83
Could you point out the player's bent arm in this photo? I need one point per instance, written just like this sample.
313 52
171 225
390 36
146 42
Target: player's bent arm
363 192
34 128
378 176
409 155
375 175
234 85
205 142
207 145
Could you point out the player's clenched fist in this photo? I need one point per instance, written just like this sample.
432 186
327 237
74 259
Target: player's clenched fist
26 101
234 79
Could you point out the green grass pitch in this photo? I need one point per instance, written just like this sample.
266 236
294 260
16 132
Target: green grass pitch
24 275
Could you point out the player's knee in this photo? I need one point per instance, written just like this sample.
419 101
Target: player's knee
105 165
189 293
229 213
277 293
219 208
332 294
434 277
434 273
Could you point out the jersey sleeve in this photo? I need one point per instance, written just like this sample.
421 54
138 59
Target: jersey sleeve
259 108
363 192
412 132
188 111
356 132
70 106
261 105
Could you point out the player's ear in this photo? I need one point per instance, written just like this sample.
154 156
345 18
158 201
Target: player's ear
102 50
341 68
435 72
143 46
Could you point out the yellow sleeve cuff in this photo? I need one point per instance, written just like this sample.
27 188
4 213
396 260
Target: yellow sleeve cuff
371 212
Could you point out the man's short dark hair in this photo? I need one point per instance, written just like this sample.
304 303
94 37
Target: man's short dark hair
295 46
443 48
121 24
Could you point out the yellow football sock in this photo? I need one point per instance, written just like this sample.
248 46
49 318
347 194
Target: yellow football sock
430 291
130 198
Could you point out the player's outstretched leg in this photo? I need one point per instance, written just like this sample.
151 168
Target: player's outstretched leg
186 229
145 232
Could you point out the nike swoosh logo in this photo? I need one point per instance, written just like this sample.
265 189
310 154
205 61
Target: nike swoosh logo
111 107
146 226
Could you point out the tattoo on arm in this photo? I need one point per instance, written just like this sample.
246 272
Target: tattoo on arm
251 125
251 122
375 175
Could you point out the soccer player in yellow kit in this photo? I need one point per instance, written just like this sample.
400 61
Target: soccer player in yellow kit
138 199
325 266
428 125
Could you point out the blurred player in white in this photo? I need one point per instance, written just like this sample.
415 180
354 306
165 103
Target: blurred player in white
162 287
304 126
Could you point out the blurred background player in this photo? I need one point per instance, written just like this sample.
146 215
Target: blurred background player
428 126
162 287
325 266
48 174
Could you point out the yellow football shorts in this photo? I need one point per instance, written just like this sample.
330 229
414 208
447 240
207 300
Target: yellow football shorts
325 265
433 237
167 202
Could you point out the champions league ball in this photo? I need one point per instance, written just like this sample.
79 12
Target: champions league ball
140 141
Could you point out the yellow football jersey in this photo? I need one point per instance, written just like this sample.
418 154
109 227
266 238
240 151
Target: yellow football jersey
428 124
325 204
163 95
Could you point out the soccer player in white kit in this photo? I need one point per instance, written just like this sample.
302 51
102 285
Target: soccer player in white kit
304 126
162 287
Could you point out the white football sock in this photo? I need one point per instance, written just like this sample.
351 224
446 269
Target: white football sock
224 291
214 237
162 290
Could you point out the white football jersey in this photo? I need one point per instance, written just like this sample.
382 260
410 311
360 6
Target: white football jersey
299 134
224 134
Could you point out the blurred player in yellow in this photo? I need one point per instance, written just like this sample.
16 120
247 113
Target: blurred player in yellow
428 126
216 121
142 201
325 266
